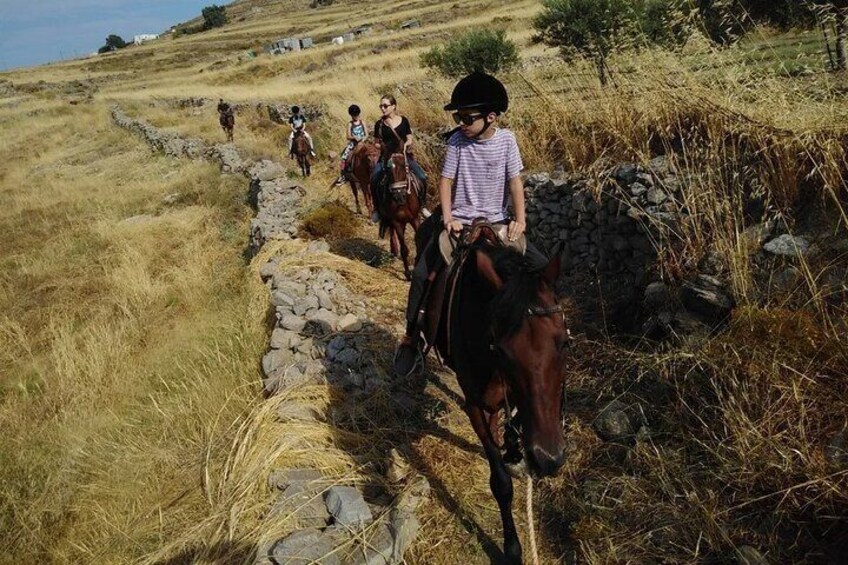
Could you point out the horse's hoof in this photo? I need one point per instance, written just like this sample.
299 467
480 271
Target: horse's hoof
517 470
512 552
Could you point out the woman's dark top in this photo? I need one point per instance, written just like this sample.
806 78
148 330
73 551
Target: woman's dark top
390 142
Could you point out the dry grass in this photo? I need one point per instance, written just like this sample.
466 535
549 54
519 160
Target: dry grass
129 348
114 452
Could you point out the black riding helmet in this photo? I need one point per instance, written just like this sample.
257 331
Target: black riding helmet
354 110
479 90
295 109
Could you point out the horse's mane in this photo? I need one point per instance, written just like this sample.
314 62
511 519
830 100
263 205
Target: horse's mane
520 288
369 149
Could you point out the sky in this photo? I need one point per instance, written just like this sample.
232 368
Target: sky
33 32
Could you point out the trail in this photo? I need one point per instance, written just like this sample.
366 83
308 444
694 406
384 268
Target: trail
337 323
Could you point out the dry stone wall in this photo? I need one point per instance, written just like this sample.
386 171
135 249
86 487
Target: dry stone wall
319 337
277 111
610 231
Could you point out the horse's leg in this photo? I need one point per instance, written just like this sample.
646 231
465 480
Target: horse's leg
404 250
369 201
393 240
499 481
355 190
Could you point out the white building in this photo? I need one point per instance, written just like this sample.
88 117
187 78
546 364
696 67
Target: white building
141 38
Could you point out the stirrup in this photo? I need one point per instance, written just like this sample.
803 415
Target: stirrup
417 363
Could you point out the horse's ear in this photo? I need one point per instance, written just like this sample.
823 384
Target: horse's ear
551 272
486 268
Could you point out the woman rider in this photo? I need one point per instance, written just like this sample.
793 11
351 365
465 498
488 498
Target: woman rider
395 136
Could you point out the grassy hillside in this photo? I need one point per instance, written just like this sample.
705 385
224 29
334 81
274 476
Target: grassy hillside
131 328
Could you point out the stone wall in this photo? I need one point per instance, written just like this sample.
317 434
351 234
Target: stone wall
609 230
276 111
320 336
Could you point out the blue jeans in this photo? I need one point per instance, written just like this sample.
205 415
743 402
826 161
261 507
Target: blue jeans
377 173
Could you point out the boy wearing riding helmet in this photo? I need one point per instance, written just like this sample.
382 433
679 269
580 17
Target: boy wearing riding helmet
297 121
356 132
481 178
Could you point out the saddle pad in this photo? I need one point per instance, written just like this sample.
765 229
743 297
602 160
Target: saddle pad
446 246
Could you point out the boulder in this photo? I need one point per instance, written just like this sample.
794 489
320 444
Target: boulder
275 360
349 323
305 546
788 246
613 423
347 507
292 322
626 174
705 296
284 339
328 320
656 295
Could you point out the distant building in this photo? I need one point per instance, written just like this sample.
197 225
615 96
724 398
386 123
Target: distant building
348 37
141 38
338 40
285 45
409 24
306 43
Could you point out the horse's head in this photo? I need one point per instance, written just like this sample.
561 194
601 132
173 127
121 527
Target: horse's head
367 150
397 168
529 340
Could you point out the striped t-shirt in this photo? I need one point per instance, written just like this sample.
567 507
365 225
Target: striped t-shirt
481 171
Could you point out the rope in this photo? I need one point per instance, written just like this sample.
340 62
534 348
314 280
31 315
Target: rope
530 525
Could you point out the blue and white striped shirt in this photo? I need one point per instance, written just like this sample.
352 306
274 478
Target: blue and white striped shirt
481 171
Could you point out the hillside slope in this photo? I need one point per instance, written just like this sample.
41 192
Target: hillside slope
135 426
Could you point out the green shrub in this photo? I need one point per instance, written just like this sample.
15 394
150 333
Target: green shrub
214 16
332 221
485 50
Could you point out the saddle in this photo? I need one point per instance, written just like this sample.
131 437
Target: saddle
443 279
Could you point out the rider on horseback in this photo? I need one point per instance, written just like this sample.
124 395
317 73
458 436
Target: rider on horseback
356 132
297 121
480 179
223 107
395 136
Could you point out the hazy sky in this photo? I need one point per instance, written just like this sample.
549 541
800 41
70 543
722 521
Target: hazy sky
39 31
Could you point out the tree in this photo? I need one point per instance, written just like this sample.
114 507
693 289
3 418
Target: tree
589 28
214 16
113 43
484 50
836 11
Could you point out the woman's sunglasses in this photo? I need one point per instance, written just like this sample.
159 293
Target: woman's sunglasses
466 119
384 106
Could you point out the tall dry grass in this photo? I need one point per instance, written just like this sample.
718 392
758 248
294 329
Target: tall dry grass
129 346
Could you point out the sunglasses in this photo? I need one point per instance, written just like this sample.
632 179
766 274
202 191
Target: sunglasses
466 119
384 106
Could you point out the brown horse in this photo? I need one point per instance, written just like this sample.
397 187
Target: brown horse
301 150
503 334
399 206
228 124
363 159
